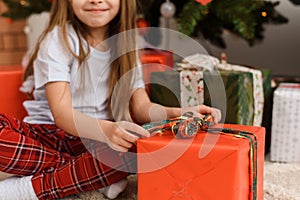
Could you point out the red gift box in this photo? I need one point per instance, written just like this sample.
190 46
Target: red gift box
11 99
171 168
154 61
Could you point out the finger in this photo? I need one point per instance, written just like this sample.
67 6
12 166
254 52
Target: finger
196 114
123 142
216 113
194 110
219 115
134 129
117 142
117 147
123 138
128 136
120 141
203 109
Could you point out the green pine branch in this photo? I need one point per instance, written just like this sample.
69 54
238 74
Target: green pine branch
190 16
241 17
17 11
238 16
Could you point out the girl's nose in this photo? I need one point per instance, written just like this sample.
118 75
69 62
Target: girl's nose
96 1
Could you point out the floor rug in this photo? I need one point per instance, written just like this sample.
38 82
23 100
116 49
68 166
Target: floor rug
281 182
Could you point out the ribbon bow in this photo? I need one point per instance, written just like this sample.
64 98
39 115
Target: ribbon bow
185 126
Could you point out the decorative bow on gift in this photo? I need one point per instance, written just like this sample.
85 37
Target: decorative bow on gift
187 126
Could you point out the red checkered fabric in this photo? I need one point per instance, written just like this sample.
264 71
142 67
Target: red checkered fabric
61 164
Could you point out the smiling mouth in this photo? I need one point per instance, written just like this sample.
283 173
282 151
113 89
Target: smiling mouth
96 10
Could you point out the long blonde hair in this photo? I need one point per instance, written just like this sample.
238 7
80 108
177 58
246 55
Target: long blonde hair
61 15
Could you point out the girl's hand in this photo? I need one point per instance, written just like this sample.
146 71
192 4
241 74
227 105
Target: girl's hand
203 110
122 135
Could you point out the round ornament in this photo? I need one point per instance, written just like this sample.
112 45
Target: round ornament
167 9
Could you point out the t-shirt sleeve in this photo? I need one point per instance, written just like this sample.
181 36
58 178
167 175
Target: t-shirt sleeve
138 78
53 60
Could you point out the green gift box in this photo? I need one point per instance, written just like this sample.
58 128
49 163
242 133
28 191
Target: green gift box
239 95
237 104
165 88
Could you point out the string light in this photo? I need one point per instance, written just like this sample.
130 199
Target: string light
264 14
23 2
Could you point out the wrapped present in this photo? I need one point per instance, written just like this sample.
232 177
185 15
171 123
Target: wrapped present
239 95
258 90
285 142
157 56
155 60
191 88
207 166
188 88
262 92
210 63
165 88
11 98
173 88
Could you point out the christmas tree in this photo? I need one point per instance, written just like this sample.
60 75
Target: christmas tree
21 9
245 18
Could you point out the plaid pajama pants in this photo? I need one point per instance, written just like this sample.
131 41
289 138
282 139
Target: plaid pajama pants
61 164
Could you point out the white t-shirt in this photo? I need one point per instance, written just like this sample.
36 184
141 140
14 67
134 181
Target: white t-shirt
88 83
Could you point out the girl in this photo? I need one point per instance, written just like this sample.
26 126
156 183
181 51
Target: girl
79 120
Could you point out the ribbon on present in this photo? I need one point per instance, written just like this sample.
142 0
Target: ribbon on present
187 126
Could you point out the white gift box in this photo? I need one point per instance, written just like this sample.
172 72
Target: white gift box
285 135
